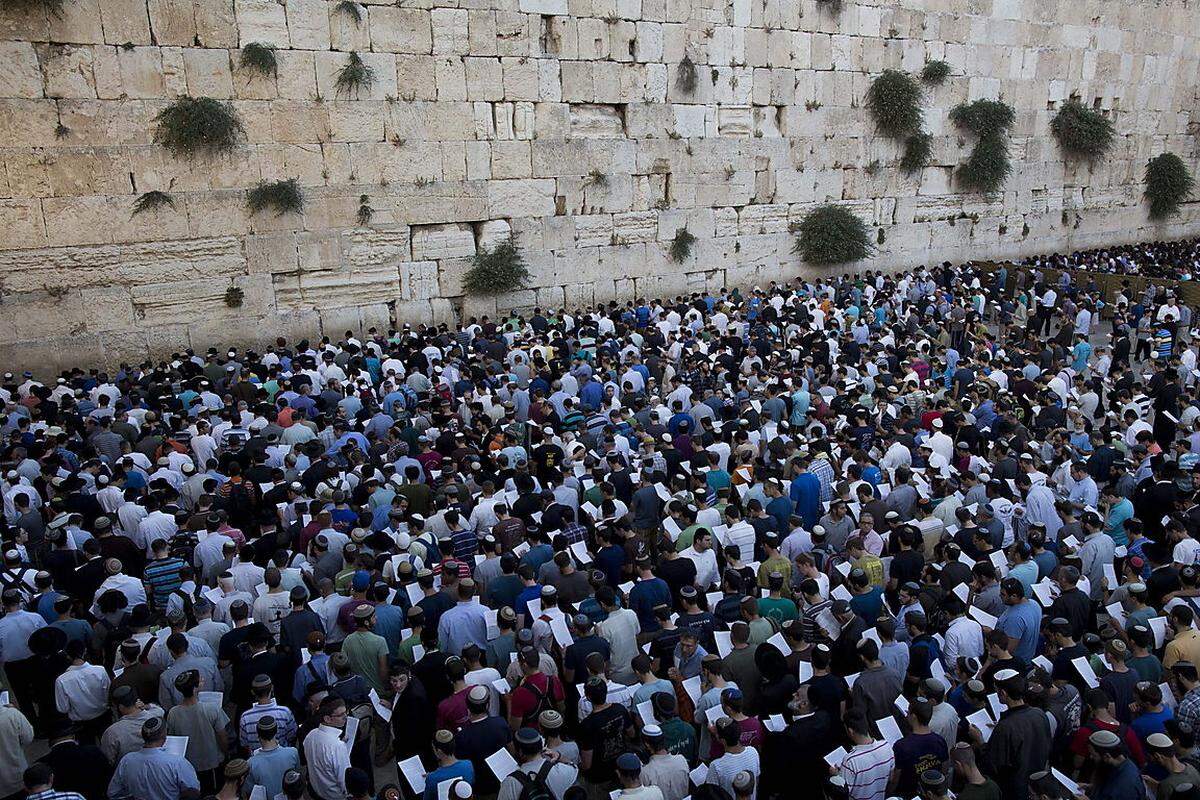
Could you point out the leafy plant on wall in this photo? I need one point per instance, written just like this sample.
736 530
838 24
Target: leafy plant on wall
832 234
152 201
894 102
198 126
1082 131
499 269
1168 184
355 76
935 72
259 58
681 245
988 166
282 197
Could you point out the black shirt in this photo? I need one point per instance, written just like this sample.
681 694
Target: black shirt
603 733
478 740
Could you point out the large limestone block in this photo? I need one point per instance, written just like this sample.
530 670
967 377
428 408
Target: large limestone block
418 280
485 80
69 71
520 78
19 63
216 23
142 73
510 160
108 308
401 30
450 35
543 7
124 21
596 122
262 21
21 225
431 242
208 73
308 24
356 121
78 23
172 23
521 198
157 262
635 226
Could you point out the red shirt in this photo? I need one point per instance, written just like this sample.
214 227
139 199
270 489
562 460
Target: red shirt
524 700
1079 742
452 712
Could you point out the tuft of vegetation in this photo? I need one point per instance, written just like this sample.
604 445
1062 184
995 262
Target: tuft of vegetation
152 201
596 178
198 126
282 197
234 297
880 238
259 58
355 76
1168 184
365 212
832 234
935 72
681 245
501 269
685 75
61 131
917 150
894 101
350 9
988 165
984 118
834 6
872 169
1082 131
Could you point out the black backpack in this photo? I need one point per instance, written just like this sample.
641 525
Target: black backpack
543 704
535 787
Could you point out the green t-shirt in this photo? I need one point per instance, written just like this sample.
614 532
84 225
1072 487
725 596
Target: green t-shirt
780 609
363 649
988 790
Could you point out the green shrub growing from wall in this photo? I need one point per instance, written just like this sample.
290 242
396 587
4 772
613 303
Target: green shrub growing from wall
282 197
1168 184
498 270
832 234
894 101
988 165
935 72
259 58
1082 131
198 126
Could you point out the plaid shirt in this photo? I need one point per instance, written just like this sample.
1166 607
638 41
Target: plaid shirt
824 472
51 794
574 532
1189 708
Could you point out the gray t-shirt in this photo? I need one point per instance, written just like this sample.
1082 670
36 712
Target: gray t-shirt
201 723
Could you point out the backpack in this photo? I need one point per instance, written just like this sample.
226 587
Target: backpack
535 787
542 703
189 606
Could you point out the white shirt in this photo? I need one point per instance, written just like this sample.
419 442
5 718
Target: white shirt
669 772
328 759
964 638
620 630
706 566
132 588
82 692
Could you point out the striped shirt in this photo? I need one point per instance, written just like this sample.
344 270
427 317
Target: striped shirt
866 770
248 724
162 574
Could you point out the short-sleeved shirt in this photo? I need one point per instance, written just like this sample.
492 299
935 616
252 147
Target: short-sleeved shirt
201 723
603 733
525 699
364 649
915 755
1022 622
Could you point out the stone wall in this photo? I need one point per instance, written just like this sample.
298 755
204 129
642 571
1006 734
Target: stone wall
560 121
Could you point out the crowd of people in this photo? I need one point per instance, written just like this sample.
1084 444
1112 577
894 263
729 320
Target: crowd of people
927 534
1167 261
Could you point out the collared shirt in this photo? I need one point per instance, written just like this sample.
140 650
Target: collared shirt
152 774
125 735
82 692
15 734
248 725
462 625
15 629
328 758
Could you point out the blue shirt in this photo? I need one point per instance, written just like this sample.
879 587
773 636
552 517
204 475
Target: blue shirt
1022 622
806 494
152 774
644 596
389 622
267 768
459 769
